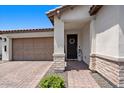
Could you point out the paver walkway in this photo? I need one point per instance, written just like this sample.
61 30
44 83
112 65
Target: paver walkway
79 76
17 74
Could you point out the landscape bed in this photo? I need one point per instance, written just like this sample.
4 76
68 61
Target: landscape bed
51 72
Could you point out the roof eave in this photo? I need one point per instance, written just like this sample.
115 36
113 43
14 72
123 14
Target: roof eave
95 9
26 30
53 12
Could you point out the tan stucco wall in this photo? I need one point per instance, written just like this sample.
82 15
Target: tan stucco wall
121 31
78 13
58 36
7 55
0 47
29 35
107 31
109 40
85 43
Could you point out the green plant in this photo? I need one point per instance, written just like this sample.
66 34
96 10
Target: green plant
52 81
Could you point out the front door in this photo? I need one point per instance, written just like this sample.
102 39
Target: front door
72 46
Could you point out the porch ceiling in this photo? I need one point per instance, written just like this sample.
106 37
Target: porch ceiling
76 25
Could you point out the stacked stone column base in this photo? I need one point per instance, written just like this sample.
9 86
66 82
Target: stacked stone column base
59 62
92 64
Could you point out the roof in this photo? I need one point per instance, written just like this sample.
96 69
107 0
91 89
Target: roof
26 30
94 9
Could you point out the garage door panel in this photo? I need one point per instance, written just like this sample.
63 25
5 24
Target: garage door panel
33 49
18 56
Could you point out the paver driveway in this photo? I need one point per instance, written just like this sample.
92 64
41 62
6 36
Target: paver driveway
26 74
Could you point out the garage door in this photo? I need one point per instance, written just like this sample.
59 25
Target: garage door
32 49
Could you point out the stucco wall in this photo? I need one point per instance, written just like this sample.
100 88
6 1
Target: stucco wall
77 13
0 48
6 55
107 31
121 32
58 36
29 35
85 43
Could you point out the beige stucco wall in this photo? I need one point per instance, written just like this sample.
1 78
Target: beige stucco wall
29 35
121 31
77 13
7 55
85 43
107 31
0 47
109 44
58 36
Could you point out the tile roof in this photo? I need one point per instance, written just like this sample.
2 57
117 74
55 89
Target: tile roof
26 30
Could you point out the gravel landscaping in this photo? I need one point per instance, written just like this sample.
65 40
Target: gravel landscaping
103 83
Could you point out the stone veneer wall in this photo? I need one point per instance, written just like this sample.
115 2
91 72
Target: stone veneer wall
92 63
108 69
121 74
59 63
111 70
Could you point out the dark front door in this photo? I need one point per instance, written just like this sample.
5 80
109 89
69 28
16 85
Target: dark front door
72 46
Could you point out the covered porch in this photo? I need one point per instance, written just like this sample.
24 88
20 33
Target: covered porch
73 36
77 41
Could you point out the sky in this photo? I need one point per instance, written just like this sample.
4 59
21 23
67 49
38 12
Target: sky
25 17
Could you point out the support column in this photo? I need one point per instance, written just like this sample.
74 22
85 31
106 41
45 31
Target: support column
6 49
93 44
59 55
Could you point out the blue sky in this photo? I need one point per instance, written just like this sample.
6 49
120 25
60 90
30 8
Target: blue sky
25 17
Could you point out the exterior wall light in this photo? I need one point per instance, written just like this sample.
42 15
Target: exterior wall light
4 39
58 14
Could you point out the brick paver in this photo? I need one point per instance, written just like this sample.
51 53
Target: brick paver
79 76
26 74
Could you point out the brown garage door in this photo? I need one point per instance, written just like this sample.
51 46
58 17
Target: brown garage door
33 49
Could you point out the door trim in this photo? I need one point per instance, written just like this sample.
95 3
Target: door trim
67 46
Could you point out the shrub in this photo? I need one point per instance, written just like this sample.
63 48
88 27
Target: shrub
52 81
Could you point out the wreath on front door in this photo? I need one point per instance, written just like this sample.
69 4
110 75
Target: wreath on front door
72 41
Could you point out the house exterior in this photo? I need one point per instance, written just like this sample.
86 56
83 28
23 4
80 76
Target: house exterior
0 48
93 34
